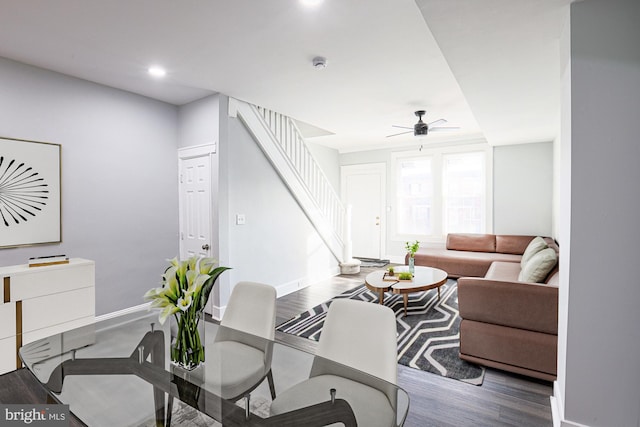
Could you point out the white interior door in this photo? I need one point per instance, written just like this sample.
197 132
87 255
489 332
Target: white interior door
195 204
363 187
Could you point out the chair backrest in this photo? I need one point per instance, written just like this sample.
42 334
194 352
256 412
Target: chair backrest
361 335
252 309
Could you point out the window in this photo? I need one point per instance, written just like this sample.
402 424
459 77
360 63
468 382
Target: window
415 196
463 193
442 191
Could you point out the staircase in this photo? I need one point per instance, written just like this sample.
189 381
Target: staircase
284 146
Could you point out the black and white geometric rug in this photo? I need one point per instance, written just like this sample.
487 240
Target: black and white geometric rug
428 338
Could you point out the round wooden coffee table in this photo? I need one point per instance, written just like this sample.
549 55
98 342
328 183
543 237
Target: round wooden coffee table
424 278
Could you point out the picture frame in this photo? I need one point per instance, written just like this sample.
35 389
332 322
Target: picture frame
30 193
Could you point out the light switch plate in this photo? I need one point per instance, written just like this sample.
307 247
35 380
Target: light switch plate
240 219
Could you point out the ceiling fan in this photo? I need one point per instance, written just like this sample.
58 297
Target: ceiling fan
421 128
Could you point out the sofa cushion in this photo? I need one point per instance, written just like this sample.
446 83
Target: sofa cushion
461 263
535 246
539 266
511 244
471 242
510 346
507 271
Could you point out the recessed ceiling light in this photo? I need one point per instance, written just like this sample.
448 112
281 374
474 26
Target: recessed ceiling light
311 3
157 71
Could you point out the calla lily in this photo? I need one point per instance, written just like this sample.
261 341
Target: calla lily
185 302
160 303
185 290
153 294
171 285
192 262
167 311
206 265
182 271
196 283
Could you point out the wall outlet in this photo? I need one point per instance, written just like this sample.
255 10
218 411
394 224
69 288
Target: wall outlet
241 219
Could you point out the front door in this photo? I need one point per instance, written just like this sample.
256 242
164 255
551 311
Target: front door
363 188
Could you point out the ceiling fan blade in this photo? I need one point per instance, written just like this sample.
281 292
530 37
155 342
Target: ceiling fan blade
437 122
443 128
401 133
401 127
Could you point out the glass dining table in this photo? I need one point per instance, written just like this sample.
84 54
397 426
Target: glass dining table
117 372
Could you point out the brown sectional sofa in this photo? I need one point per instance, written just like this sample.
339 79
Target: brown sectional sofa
506 323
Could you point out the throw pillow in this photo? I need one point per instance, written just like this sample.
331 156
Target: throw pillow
539 266
535 246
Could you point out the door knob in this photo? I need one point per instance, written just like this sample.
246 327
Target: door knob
205 247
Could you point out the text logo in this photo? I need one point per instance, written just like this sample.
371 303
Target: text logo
34 415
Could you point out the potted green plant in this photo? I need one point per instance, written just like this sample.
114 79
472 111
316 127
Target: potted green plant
391 271
412 248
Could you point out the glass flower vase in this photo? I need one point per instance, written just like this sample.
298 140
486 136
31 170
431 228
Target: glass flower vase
412 265
187 339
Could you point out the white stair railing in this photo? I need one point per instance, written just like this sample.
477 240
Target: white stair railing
282 142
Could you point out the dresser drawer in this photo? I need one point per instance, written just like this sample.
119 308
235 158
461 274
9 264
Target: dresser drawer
50 280
55 309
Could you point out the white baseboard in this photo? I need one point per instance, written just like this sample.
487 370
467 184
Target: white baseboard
396 259
557 409
218 311
122 312
303 282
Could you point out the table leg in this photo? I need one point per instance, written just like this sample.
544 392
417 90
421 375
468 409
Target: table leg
438 293
405 298
381 296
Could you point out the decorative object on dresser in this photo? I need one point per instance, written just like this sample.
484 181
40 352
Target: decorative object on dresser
29 193
31 303
42 261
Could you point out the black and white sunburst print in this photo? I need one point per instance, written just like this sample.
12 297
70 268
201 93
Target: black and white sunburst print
23 192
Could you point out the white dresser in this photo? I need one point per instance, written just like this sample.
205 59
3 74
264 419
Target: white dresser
42 301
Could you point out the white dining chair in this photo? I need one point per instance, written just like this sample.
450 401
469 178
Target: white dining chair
239 358
358 335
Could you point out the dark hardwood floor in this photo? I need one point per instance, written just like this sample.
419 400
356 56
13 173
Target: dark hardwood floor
502 400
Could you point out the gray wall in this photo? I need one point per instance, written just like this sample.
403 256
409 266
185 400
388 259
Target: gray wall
523 189
277 245
119 168
599 337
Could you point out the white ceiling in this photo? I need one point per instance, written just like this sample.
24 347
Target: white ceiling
490 67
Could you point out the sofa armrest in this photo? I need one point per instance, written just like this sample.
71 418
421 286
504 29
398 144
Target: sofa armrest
528 306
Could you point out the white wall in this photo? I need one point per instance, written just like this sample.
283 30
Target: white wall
277 245
599 382
119 168
523 189
329 161
199 122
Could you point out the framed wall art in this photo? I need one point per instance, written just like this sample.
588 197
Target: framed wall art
30 202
